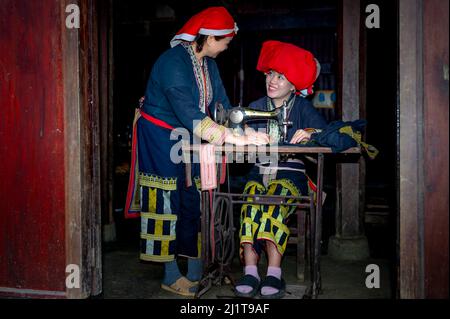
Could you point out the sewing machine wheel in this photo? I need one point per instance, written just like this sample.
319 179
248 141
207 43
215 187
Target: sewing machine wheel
224 231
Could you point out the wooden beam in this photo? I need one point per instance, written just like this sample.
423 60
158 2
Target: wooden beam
349 177
106 110
411 143
435 58
91 148
111 159
82 152
349 37
72 152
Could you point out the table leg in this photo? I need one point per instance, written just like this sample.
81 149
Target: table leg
312 245
301 244
317 280
204 231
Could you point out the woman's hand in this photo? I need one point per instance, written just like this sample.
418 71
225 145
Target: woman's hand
256 135
255 138
301 136
258 138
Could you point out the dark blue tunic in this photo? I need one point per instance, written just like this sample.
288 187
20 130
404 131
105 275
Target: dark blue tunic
172 95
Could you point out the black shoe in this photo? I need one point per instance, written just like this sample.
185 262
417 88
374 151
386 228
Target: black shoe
247 280
273 282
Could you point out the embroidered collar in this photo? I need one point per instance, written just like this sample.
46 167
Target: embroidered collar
202 78
290 103
273 129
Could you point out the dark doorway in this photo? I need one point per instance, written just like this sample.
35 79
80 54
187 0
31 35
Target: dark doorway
381 113
142 31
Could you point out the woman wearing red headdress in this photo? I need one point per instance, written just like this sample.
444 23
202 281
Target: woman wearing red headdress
290 73
183 87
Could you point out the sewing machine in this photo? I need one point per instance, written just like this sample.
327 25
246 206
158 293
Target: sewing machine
237 117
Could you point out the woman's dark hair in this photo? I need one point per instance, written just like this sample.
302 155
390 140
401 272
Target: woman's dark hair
201 38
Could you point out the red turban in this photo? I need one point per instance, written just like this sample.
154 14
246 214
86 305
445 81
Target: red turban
298 65
211 21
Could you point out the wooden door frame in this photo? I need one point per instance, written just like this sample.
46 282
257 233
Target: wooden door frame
83 161
410 160
82 152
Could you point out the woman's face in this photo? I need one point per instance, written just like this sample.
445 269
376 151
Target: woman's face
214 47
278 87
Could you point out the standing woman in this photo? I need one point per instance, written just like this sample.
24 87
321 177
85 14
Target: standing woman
183 88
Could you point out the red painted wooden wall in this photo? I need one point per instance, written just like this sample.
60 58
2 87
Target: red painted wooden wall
32 212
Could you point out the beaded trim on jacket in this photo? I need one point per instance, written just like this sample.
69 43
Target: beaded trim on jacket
201 75
273 129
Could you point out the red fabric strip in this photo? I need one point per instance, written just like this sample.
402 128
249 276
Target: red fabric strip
211 222
224 170
131 181
156 121
208 170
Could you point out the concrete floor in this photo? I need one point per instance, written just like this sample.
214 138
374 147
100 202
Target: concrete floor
126 277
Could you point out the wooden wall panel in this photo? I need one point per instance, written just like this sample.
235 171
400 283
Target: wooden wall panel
410 153
435 29
32 220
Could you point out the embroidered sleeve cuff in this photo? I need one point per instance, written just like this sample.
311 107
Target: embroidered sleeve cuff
210 131
312 130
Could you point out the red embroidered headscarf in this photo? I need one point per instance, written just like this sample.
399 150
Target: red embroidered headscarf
298 65
211 21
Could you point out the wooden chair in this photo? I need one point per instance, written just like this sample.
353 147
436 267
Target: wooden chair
298 237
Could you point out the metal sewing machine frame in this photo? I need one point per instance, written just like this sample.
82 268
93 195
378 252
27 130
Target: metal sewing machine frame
217 230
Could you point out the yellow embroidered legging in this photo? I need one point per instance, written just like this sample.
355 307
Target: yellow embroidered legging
261 222
170 219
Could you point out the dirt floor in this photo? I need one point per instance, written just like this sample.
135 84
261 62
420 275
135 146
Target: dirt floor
126 277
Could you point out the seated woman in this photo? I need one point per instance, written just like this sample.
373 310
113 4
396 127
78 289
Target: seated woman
290 72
